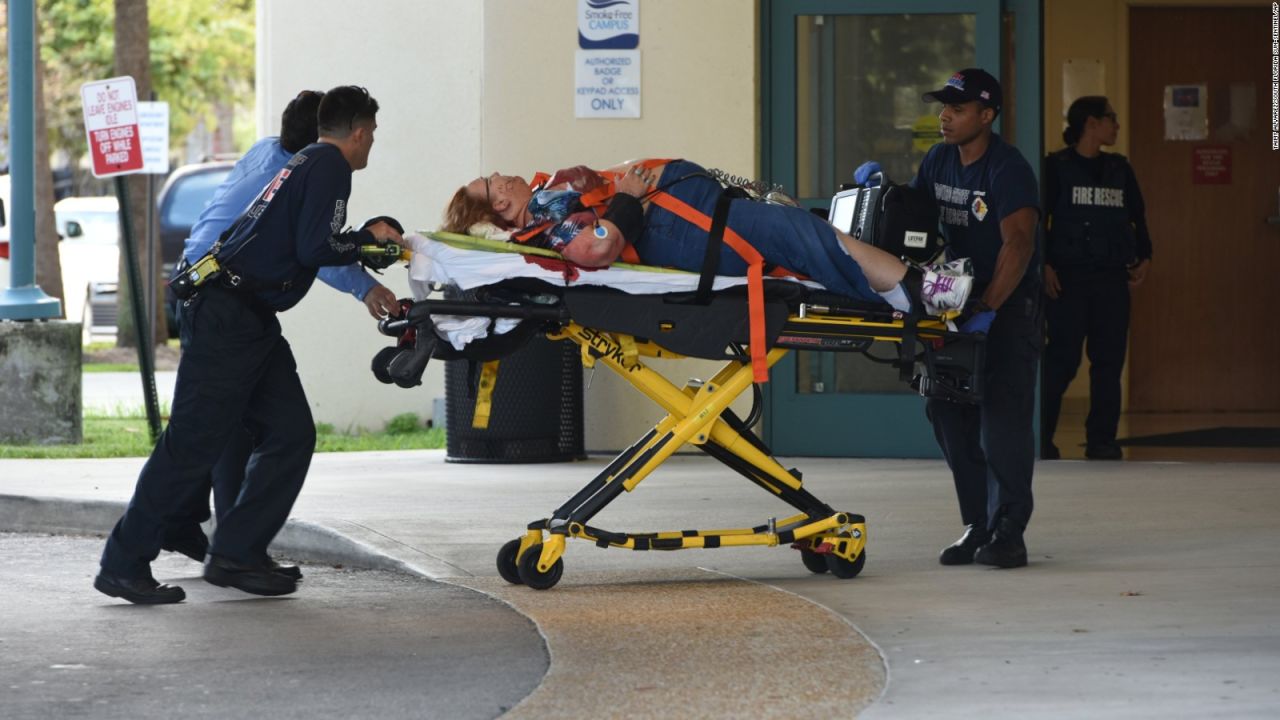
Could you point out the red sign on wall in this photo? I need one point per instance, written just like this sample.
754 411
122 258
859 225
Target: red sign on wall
1211 165
111 125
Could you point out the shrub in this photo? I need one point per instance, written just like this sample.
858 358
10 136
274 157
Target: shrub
404 424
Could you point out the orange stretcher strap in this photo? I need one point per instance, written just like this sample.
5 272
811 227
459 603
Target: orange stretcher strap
600 197
755 276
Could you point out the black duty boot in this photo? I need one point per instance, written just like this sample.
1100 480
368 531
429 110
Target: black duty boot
292 571
139 591
1006 549
256 579
961 552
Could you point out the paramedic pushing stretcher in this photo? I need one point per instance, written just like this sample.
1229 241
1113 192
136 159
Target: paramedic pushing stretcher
251 173
236 367
987 197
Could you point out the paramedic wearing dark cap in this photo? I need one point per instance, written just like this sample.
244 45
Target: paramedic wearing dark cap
989 207
237 370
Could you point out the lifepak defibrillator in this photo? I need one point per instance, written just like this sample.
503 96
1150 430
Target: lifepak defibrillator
898 219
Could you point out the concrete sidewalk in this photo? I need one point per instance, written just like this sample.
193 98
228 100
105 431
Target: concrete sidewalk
1151 592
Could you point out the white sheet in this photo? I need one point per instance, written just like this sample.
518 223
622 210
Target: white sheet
436 262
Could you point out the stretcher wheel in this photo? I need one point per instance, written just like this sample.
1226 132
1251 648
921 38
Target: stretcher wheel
528 568
507 566
845 569
381 361
816 564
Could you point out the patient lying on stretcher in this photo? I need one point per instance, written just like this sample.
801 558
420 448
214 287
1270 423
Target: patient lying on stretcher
658 212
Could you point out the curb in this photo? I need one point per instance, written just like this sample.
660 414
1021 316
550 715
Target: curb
298 539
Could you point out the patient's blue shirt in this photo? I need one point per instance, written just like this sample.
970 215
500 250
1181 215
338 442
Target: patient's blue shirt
556 203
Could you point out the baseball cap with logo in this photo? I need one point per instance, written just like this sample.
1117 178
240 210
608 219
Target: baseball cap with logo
969 85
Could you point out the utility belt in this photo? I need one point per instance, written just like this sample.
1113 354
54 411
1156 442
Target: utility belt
207 272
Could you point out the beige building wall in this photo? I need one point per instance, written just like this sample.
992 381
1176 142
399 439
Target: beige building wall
468 87
422 60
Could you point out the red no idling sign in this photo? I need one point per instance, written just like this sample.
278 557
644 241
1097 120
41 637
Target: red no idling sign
111 125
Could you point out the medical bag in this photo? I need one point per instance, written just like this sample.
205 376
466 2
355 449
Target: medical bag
898 219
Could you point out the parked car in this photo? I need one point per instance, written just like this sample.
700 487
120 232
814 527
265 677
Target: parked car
89 253
89 250
184 195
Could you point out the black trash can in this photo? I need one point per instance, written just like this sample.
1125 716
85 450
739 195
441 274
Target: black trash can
536 412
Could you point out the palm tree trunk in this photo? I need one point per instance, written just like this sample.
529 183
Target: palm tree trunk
133 57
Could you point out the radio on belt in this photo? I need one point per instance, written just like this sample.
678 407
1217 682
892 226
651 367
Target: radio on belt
186 283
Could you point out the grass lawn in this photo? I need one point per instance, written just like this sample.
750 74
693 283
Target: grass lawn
106 437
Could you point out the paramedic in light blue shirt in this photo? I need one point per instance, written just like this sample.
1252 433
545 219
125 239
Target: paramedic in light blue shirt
251 173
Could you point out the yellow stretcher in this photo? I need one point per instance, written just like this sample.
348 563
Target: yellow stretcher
620 330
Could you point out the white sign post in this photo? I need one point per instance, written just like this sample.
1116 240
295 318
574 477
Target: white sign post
153 123
111 126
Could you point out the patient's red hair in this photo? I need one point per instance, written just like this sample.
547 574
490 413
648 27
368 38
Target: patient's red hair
464 211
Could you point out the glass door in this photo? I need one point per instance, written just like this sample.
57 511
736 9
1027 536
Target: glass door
843 86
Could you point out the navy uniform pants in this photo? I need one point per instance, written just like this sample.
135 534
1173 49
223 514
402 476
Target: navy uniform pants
228 477
990 447
226 482
236 373
1095 309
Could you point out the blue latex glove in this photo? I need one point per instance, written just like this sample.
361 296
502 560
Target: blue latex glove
979 323
865 172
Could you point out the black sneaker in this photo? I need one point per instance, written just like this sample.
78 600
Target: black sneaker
1104 451
1006 549
961 551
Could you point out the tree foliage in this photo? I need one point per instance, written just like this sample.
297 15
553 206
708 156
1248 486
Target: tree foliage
202 55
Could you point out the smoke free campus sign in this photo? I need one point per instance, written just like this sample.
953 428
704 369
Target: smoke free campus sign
608 24
606 64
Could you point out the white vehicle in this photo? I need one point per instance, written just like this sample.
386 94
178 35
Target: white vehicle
4 231
90 255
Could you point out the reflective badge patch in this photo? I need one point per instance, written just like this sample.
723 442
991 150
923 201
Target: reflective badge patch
339 216
979 206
